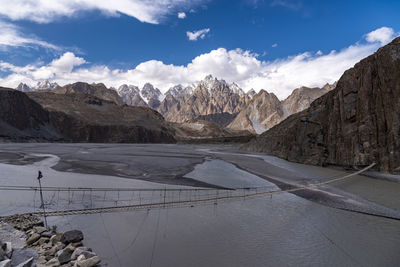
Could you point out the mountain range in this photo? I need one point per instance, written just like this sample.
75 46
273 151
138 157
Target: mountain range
210 99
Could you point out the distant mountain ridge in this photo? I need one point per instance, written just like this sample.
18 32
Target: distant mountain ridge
42 85
210 99
265 110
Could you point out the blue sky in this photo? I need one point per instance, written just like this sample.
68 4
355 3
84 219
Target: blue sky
276 45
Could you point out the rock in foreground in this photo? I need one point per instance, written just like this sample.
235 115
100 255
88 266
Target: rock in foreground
43 247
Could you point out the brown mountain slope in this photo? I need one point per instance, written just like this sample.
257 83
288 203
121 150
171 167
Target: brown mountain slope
86 118
355 124
263 112
98 90
301 98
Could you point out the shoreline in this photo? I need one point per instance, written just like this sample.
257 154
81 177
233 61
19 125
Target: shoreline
25 242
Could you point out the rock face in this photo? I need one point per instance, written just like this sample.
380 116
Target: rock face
98 90
147 97
302 97
178 91
211 96
264 111
21 118
77 117
355 124
85 118
130 95
152 96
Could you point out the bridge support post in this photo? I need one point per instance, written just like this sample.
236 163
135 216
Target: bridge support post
40 176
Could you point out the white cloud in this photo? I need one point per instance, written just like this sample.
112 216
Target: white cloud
382 35
243 67
275 45
54 70
193 36
11 36
44 11
181 15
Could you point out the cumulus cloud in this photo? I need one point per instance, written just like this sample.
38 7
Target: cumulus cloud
274 45
382 35
193 36
181 15
44 11
243 67
12 36
62 66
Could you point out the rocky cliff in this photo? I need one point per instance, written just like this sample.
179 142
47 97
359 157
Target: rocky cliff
77 117
21 118
355 124
264 111
82 117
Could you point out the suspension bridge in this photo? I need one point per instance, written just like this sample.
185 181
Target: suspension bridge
62 201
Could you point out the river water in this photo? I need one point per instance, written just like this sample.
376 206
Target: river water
279 230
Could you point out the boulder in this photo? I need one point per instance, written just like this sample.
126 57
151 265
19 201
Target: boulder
32 239
88 262
7 247
53 263
81 258
51 252
72 236
64 255
5 263
42 240
3 255
20 256
56 238
27 263
46 234
39 229
82 251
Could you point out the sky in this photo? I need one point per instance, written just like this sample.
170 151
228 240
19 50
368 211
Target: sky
276 45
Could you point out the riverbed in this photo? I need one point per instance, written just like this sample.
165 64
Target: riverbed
341 224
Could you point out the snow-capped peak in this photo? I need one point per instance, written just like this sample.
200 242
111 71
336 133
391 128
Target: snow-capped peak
45 85
210 83
128 89
236 89
149 92
179 91
23 87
